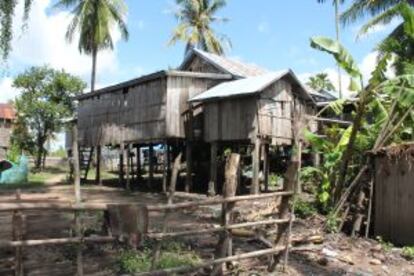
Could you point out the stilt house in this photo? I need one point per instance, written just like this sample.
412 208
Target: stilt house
208 99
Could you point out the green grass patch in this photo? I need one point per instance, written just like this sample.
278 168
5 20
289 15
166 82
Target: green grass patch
408 252
172 255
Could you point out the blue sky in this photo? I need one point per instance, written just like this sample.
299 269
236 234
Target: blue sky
272 34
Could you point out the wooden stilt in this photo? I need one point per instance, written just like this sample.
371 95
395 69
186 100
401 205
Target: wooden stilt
138 163
213 170
150 165
165 167
127 153
255 186
189 161
98 180
121 164
266 166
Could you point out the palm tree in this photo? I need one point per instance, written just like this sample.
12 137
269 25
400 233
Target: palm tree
93 21
320 82
336 4
7 10
361 8
194 28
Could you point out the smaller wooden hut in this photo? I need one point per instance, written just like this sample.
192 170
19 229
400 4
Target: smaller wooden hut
394 194
269 109
7 116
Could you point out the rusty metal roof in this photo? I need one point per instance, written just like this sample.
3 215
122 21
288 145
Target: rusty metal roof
227 65
7 111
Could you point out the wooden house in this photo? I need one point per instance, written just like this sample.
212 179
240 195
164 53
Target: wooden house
269 109
7 116
176 107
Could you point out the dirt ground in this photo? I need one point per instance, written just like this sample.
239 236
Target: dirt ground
336 255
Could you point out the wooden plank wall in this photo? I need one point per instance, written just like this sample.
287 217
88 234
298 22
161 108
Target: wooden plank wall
394 200
180 90
5 133
197 64
129 114
267 114
230 120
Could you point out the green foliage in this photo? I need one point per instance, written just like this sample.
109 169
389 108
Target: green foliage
386 246
332 223
195 18
13 153
320 82
93 20
408 252
45 101
274 180
342 57
7 9
304 209
173 255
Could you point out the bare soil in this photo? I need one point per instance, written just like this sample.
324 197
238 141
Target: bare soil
336 255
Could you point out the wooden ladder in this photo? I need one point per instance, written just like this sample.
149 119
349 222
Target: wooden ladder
85 160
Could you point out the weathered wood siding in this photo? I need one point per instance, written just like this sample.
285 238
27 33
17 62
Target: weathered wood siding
150 111
268 114
197 64
128 114
230 119
394 200
5 133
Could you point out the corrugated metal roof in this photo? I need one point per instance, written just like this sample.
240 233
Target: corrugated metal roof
231 66
7 112
246 86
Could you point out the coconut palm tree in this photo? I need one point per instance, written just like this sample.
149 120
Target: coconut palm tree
320 82
7 10
93 21
361 8
195 18
336 4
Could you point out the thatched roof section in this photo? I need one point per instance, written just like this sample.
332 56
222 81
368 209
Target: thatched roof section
226 65
404 150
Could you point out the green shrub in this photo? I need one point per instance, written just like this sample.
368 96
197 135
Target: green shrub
408 252
274 180
304 209
386 246
172 255
332 223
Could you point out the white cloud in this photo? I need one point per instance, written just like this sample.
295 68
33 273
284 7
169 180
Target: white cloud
44 43
7 91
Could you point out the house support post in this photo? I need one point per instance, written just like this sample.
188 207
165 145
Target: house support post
189 161
121 163
138 163
127 153
255 187
150 165
166 167
98 179
266 166
213 169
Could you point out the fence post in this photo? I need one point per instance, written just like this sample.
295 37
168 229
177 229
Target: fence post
175 173
18 224
225 245
78 198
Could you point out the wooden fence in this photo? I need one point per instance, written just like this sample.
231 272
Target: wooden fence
224 248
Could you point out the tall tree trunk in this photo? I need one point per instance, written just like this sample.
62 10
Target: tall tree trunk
93 77
337 18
